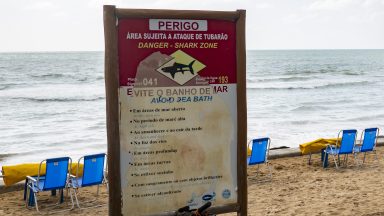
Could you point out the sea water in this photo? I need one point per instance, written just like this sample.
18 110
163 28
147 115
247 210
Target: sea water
299 96
53 104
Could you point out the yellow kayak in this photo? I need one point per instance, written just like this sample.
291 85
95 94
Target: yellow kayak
316 145
309 147
15 173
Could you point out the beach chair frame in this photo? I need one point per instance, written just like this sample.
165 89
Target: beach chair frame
33 183
265 161
75 184
334 150
360 149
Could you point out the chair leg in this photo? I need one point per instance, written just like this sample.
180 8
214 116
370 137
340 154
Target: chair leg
70 193
309 159
25 188
27 199
31 197
376 158
90 201
336 161
355 159
257 170
35 198
77 200
325 160
270 170
365 154
105 181
61 191
346 160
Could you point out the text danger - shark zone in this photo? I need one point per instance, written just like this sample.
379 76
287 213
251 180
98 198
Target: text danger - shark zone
186 45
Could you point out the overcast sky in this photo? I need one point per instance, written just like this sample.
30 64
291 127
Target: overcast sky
77 25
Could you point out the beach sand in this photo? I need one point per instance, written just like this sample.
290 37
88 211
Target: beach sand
296 189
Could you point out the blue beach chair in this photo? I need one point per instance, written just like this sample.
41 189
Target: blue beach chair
55 178
368 143
93 174
260 153
346 147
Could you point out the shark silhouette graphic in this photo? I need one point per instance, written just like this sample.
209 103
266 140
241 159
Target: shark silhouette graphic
177 67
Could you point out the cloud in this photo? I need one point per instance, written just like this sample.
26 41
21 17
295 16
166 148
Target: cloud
293 19
263 5
330 4
99 3
372 3
40 5
374 17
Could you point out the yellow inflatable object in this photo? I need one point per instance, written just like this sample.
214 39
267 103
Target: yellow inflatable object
316 145
15 173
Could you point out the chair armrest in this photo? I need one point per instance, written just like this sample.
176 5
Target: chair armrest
72 176
31 178
105 176
331 146
358 144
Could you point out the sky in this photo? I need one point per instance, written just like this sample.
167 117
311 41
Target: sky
77 25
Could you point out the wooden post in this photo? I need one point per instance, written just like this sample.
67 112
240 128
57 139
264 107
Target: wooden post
111 87
241 114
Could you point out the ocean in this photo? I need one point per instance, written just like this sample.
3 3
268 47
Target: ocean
53 104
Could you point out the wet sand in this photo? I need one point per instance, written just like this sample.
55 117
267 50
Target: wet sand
295 189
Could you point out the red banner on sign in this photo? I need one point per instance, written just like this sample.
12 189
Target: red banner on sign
163 52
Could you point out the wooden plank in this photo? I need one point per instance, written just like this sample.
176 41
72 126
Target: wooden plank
111 91
213 210
224 209
176 14
241 114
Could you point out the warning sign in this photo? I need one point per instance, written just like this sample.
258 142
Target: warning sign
177 112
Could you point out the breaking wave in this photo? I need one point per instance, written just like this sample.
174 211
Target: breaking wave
58 99
324 86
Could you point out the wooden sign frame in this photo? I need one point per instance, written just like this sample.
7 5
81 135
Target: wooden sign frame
111 17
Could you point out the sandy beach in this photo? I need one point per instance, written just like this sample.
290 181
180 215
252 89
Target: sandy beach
12 203
296 189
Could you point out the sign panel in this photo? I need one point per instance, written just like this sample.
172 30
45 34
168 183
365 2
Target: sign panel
176 110
178 114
